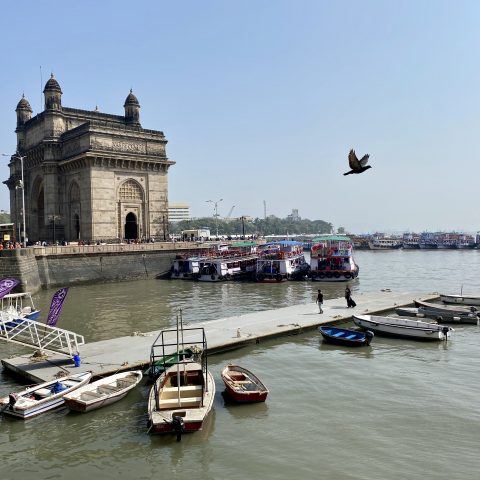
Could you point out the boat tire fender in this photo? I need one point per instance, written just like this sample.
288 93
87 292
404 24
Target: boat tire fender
336 275
278 278
260 277
347 275
212 276
329 274
321 275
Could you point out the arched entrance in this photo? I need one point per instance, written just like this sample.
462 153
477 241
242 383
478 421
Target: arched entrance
76 226
131 227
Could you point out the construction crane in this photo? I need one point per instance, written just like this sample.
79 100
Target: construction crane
230 213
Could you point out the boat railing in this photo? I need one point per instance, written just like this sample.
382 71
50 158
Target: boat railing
40 336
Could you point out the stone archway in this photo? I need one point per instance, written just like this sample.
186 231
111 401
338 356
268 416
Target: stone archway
131 227
74 206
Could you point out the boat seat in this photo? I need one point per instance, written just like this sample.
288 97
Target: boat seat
186 388
43 392
70 383
184 402
337 334
91 395
125 382
107 389
350 336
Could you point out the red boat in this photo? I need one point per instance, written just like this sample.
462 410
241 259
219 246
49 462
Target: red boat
242 385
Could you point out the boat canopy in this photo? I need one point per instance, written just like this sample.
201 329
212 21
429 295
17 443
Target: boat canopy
334 238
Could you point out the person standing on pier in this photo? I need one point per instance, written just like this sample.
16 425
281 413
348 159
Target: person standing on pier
348 298
320 300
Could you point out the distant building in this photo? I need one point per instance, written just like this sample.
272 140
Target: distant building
178 212
87 174
294 216
196 234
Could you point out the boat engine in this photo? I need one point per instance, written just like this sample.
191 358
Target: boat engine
178 426
369 334
12 399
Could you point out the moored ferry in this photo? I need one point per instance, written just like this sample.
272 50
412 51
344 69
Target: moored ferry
383 243
283 260
331 259
238 262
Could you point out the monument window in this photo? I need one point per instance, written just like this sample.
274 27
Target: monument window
131 190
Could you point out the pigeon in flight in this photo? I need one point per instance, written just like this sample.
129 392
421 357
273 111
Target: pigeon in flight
356 165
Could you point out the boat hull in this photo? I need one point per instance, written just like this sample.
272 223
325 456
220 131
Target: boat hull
422 312
402 328
81 399
242 386
26 407
460 300
338 276
345 337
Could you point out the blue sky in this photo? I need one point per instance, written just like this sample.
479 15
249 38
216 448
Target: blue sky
262 100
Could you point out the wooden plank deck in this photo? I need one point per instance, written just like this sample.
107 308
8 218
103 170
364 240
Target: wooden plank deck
126 353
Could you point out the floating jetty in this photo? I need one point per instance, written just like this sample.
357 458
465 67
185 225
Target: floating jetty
132 352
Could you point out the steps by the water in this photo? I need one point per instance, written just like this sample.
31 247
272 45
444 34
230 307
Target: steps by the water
110 356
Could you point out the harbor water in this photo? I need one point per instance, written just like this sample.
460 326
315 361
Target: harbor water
395 410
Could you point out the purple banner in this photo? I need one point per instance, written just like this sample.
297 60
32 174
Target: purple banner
56 306
7 285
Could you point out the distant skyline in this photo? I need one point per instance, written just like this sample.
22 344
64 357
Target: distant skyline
262 100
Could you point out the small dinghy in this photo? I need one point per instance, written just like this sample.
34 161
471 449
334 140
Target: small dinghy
43 397
102 392
465 300
444 317
242 385
346 337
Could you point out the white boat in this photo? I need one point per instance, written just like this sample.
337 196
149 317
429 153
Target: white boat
102 392
41 398
331 259
461 299
403 327
16 306
185 266
384 243
283 260
182 396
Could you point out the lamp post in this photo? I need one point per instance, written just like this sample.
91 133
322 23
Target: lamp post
216 213
21 157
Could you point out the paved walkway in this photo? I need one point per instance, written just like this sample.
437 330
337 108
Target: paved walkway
126 353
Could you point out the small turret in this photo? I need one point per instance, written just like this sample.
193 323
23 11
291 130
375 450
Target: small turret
132 110
24 111
53 94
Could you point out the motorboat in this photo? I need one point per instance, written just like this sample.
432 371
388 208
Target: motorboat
466 300
444 317
403 327
41 398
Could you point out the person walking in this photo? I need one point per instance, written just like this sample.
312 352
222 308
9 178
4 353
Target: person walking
319 301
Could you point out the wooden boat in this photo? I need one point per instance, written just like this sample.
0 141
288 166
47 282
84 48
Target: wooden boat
242 385
461 299
102 392
448 309
182 396
403 327
346 337
43 397
445 317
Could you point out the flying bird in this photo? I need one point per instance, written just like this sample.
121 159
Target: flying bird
356 165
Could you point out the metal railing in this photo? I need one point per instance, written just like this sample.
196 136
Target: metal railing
40 336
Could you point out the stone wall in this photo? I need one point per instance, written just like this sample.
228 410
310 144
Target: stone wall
38 270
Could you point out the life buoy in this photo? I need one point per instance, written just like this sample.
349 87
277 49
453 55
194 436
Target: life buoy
329 275
336 275
347 275
228 276
321 275
278 278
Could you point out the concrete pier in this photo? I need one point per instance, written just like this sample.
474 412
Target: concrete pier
127 353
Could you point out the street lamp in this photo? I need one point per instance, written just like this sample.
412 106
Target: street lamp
216 213
22 186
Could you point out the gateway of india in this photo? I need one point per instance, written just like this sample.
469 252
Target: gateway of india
88 175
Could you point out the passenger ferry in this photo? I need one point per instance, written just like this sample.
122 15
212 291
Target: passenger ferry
184 267
283 260
383 243
331 259
238 262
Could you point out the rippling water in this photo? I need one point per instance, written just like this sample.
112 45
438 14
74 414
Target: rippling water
395 410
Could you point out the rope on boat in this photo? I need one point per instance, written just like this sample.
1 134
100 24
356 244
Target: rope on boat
141 334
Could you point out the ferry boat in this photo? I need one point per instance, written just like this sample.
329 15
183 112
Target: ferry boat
239 262
331 259
383 243
185 266
410 241
283 260
16 306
